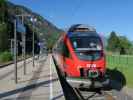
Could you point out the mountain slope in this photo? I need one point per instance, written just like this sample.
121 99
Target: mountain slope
44 28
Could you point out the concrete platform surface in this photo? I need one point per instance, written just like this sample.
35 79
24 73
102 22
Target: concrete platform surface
40 82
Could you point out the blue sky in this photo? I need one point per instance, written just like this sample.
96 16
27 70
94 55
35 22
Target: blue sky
104 15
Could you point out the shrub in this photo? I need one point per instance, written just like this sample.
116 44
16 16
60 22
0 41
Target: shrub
5 56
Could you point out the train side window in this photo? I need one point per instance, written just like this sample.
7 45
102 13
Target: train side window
60 46
66 52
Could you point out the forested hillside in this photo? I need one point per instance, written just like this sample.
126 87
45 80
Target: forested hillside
43 28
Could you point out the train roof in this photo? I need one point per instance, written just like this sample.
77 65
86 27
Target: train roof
82 30
79 34
73 28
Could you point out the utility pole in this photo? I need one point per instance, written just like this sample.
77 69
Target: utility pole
15 52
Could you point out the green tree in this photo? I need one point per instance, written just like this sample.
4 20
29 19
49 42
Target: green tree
113 42
3 26
125 45
4 42
3 11
124 42
119 44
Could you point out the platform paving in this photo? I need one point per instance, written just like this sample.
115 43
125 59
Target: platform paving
40 82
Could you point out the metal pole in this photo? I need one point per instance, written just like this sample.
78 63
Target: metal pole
24 54
15 53
11 46
24 47
33 42
127 61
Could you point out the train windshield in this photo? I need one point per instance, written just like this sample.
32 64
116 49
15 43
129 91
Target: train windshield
87 47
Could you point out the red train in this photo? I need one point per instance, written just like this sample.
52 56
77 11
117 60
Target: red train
80 55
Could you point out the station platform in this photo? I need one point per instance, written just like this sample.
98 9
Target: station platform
40 82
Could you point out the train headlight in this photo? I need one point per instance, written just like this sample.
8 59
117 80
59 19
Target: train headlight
99 47
79 67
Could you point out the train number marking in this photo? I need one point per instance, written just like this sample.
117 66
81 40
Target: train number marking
91 65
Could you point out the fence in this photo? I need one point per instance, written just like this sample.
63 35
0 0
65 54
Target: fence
124 64
119 61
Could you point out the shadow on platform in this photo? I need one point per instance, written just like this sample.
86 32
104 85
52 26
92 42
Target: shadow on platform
9 93
117 79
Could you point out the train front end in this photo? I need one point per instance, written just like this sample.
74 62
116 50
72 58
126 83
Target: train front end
86 63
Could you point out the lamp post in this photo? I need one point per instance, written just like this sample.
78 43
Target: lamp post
33 20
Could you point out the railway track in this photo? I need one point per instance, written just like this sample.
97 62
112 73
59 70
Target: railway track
95 95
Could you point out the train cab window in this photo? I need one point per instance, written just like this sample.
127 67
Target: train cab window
86 46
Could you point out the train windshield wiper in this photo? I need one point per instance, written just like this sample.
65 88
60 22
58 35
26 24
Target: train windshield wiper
87 49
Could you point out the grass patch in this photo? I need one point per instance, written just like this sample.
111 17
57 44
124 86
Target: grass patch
123 63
